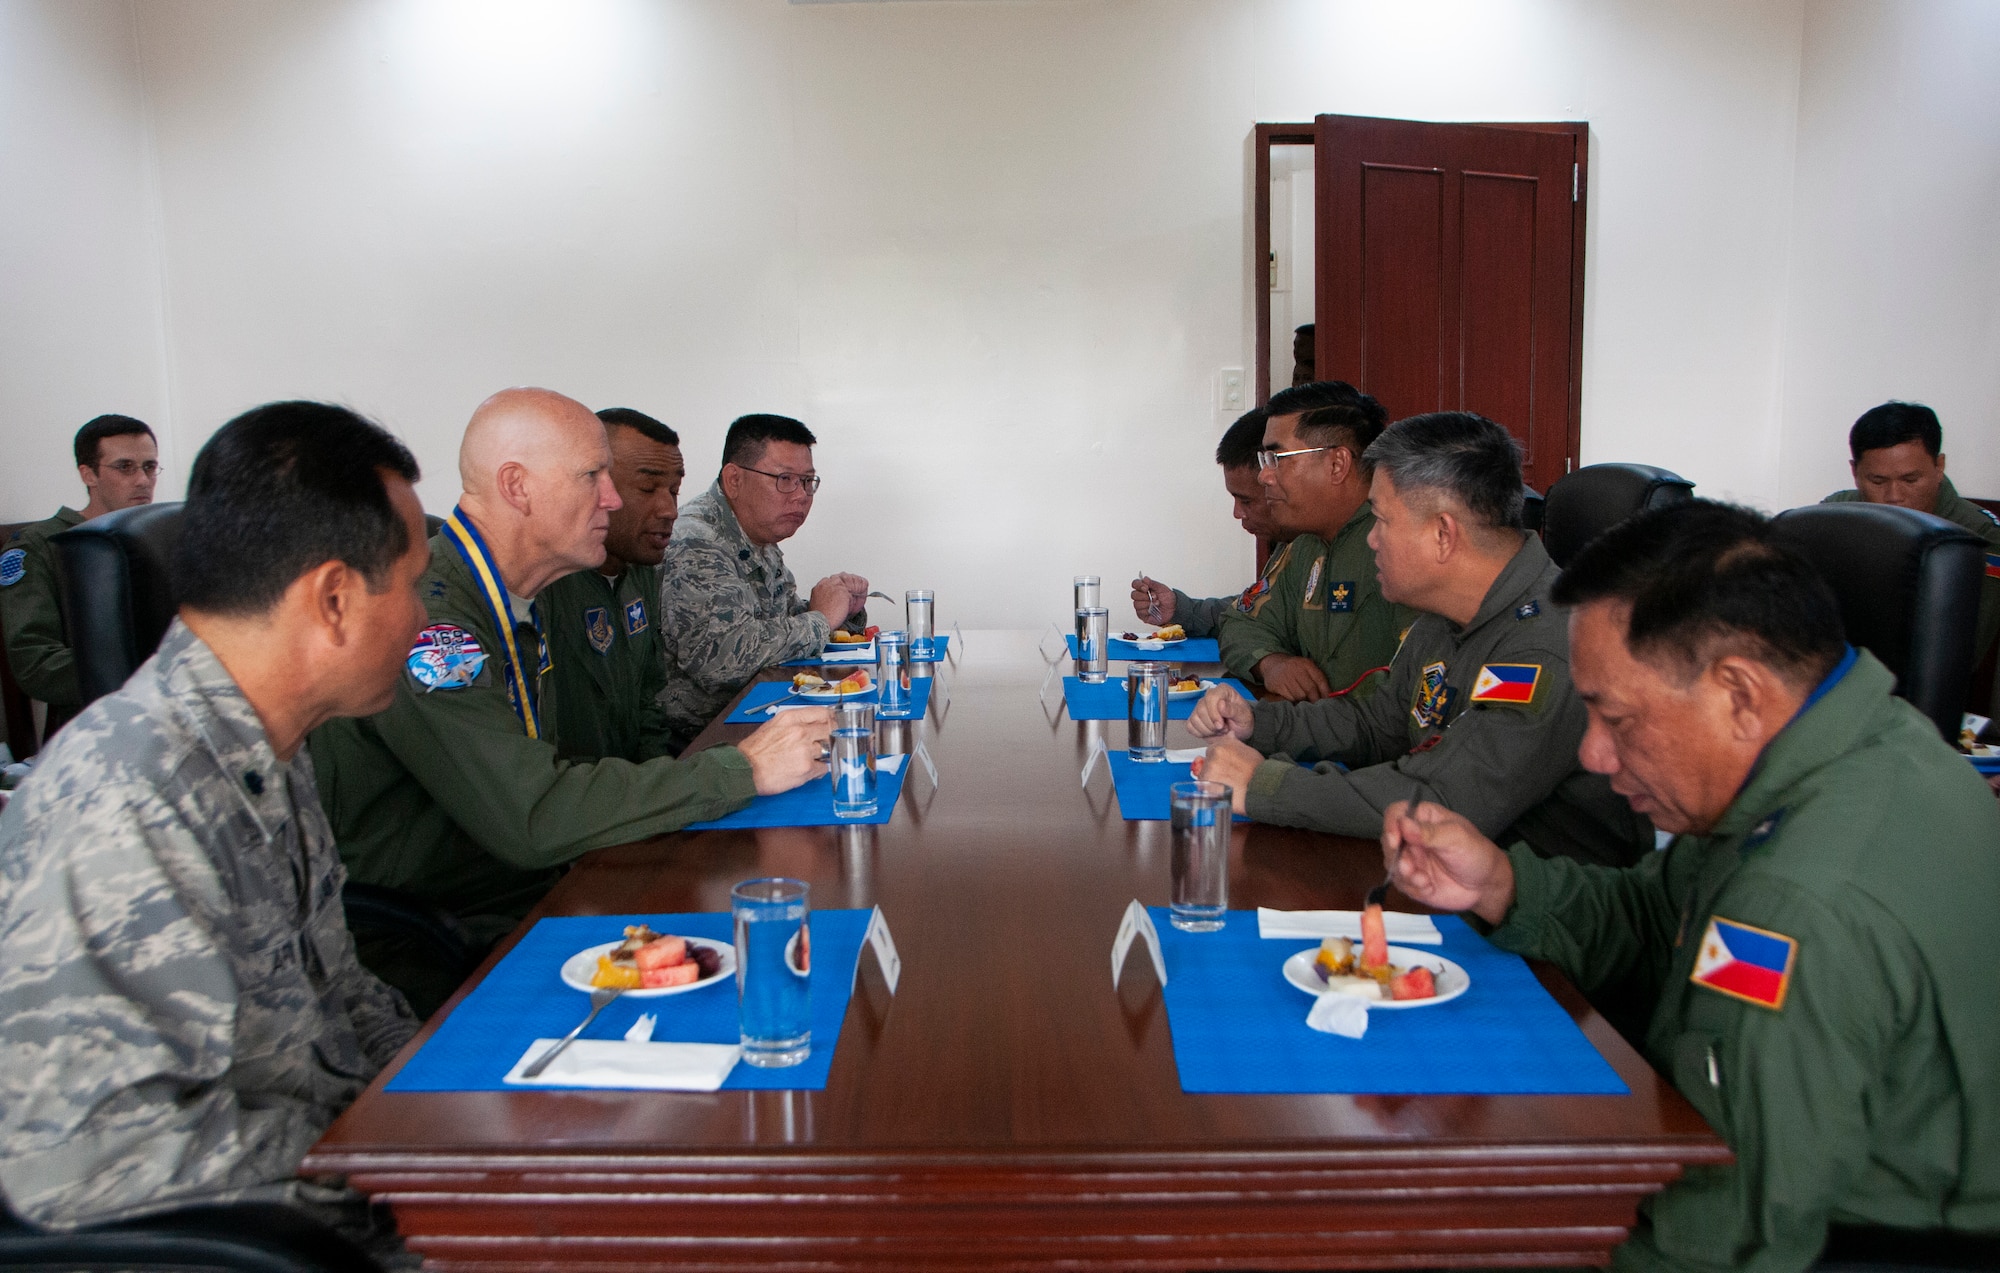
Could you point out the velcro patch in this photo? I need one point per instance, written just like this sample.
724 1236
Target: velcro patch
13 567
1340 596
597 626
1992 565
445 657
635 618
1506 683
1751 964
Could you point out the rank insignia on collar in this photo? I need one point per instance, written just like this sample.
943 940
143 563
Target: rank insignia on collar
1506 683
13 566
597 626
445 657
1528 610
437 587
1764 830
1340 596
1751 964
1433 697
635 617
1312 579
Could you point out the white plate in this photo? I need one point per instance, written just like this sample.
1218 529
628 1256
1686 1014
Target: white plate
832 695
863 653
1178 695
577 969
1452 980
1152 643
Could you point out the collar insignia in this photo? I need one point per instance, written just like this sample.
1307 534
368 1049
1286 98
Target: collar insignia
1528 611
1764 830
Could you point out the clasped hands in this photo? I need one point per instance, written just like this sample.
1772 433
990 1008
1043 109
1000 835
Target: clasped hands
839 597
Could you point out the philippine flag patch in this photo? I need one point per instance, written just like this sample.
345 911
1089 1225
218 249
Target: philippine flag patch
1993 565
1506 683
1745 963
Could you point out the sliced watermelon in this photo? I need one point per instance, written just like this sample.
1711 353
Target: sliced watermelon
670 975
1417 983
1374 938
661 952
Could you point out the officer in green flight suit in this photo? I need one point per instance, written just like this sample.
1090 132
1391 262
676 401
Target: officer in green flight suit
456 792
1812 956
604 643
1322 627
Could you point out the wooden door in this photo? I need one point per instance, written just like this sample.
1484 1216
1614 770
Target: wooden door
1450 272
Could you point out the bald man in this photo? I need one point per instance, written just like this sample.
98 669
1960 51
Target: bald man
456 793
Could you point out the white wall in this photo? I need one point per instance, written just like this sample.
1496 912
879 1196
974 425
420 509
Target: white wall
994 253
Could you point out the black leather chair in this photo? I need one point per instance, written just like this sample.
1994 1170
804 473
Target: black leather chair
1534 508
1858 1249
1908 585
1584 504
244 1237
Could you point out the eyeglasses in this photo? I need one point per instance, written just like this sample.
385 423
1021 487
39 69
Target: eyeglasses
127 468
787 483
1269 459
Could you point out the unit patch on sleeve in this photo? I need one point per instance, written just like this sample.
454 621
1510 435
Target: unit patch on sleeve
1340 596
635 617
1992 565
1433 697
445 657
14 566
1312 580
1506 683
597 626
1745 963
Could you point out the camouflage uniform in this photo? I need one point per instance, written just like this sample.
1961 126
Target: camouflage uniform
728 610
31 618
181 1011
1954 507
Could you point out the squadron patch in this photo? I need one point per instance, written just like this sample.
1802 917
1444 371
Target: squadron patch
1506 683
1433 697
1253 596
1340 597
1745 963
1312 579
14 566
597 626
445 657
635 617
1528 610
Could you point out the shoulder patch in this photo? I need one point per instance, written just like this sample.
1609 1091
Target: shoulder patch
1528 611
1751 964
1992 565
445 657
1312 581
1252 598
1506 683
597 626
14 566
635 617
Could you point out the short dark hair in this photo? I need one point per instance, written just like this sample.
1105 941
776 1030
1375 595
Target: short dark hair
1892 424
1332 413
105 426
281 489
750 434
1706 579
1240 444
627 418
1457 453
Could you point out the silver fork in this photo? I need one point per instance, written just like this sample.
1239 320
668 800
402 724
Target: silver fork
1381 891
598 1000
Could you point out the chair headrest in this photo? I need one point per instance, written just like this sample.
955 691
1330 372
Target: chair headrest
1584 504
118 596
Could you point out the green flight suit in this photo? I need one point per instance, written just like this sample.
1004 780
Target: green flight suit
1497 746
604 649
445 796
31 618
1202 616
1954 507
1325 603
1870 1092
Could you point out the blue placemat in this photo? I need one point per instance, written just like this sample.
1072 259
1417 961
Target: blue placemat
1192 650
1106 700
1239 1026
943 643
1985 764
763 693
1142 788
524 999
811 804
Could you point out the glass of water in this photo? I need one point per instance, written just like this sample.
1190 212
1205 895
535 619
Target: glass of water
1093 644
852 763
1201 817
1086 591
1146 710
920 619
773 970
892 671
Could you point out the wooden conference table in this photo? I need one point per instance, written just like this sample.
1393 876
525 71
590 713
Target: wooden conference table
1006 1108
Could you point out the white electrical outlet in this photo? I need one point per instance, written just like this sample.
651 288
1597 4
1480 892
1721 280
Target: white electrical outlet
1229 389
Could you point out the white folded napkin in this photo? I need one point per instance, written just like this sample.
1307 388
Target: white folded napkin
1401 926
1185 755
661 1067
1337 1014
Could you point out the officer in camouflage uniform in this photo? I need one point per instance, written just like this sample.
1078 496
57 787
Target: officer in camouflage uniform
1321 627
119 463
1479 713
1811 958
604 647
1897 451
456 793
181 1011
729 607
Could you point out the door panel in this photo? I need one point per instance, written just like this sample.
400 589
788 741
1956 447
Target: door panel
1446 273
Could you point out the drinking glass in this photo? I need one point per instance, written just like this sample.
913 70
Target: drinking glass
1201 818
1146 711
1093 644
1086 591
773 970
892 671
920 618
852 763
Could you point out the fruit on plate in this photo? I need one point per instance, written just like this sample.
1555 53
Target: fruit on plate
1187 686
1172 632
1374 939
851 638
1417 983
612 975
1335 958
854 683
654 961
808 681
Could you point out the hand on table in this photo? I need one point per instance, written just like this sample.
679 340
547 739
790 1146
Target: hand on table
1230 763
1221 713
1293 677
839 597
1439 858
786 751
1152 601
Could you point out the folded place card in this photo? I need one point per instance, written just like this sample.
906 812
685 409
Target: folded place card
1137 923
1404 928
658 1067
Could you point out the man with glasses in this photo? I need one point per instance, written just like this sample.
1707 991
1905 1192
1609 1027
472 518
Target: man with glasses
728 606
119 462
1321 627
